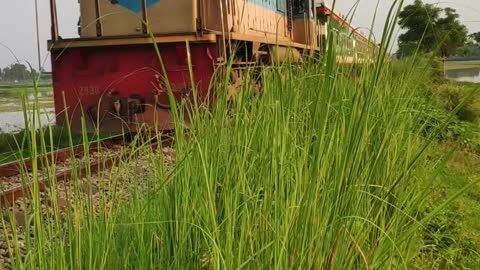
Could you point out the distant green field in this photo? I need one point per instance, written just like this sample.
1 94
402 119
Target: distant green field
5 90
11 98
26 84
451 65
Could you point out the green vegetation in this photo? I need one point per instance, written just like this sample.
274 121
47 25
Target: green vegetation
429 28
323 169
44 103
329 167
23 90
12 97
475 36
472 47
16 146
452 237
278 180
18 72
451 65
42 87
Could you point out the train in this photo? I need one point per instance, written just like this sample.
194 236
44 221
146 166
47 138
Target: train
113 79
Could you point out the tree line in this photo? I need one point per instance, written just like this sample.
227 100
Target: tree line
429 28
426 28
17 72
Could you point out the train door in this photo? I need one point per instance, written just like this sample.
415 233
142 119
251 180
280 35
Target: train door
303 28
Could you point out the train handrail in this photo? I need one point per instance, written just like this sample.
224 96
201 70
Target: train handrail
54 21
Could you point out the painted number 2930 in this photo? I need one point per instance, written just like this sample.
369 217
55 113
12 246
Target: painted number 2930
89 91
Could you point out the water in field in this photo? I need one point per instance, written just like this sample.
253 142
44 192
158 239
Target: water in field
11 122
12 103
465 75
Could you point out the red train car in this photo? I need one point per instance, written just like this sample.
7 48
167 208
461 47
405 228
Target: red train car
119 86
112 76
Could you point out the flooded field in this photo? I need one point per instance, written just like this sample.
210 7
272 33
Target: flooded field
14 121
465 74
14 100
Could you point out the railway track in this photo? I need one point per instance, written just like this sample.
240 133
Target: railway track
90 170
12 175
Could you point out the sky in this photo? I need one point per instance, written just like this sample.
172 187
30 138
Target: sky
17 23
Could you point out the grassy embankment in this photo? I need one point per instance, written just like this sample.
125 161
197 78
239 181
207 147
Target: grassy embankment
323 170
452 65
456 227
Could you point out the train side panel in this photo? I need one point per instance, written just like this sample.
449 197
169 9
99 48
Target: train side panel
351 45
125 17
121 87
115 79
275 21
258 18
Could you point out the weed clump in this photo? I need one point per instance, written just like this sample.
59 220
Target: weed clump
451 95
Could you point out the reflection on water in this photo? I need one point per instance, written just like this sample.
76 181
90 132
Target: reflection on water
28 93
14 121
465 75
11 109
40 95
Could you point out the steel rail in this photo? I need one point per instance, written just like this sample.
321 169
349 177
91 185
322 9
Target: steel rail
9 196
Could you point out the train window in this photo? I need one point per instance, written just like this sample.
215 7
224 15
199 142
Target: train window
282 5
312 8
299 7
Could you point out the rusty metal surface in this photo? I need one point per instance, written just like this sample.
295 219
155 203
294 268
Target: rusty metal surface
14 168
116 88
8 197
128 40
53 19
144 17
98 22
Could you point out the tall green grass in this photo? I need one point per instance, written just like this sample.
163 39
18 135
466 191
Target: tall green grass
324 169
319 171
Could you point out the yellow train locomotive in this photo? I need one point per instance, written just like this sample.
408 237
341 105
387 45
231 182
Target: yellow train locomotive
112 75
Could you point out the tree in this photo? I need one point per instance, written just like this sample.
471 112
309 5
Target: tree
471 47
430 29
15 72
451 32
476 37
